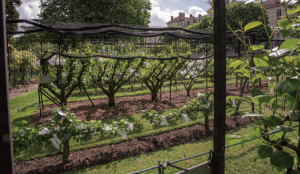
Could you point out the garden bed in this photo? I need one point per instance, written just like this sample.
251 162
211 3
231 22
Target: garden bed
22 90
101 155
126 105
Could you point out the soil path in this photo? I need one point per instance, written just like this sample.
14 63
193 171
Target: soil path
126 105
105 154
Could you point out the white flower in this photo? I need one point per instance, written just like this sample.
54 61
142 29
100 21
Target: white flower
200 94
136 75
54 143
80 127
146 63
61 113
163 121
64 74
185 118
53 85
124 134
130 127
44 131
130 70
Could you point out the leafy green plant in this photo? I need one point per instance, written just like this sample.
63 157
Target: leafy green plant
61 127
279 62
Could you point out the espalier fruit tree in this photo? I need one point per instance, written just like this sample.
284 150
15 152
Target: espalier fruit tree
278 133
61 128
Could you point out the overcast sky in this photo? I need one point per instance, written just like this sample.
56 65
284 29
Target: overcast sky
161 12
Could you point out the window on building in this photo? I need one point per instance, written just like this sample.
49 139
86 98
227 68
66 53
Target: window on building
278 12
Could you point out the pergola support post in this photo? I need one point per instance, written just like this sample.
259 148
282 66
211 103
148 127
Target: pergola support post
219 86
6 150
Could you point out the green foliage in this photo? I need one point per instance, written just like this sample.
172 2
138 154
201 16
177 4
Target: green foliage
279 63
207 22
61 127
119 12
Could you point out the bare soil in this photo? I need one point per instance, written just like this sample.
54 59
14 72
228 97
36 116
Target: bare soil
16 92
105 154
126 105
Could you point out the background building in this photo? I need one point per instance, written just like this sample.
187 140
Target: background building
273 8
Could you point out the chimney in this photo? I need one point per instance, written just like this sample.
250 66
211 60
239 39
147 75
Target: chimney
181 16
172 18
191 16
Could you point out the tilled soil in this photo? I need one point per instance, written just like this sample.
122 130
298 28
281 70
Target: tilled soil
105 154
16 92
127 105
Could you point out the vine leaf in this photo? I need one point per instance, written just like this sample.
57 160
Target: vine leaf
287 86
285 129
280 53
253 115
265 151
282 159
271 121
252 25
290 43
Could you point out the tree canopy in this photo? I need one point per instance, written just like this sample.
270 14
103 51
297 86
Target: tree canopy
94 11
10 9
235 12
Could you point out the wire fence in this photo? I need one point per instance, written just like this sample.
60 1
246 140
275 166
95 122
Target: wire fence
161 169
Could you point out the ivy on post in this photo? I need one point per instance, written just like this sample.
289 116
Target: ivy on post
219 85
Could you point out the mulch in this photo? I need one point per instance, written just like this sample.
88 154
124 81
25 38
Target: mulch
127 105
105 154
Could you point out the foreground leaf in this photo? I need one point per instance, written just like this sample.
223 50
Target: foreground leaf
282 159
265 151
280 53
287 86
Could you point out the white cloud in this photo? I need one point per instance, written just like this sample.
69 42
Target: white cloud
160 17
29 9
196 10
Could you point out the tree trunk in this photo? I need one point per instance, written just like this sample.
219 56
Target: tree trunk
236 81
154 96
66 151
259 81
188 92
111 100
206 123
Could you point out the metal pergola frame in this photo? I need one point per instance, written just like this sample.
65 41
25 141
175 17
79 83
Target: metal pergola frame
219 94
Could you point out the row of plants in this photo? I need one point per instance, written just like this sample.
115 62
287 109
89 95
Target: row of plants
111 74
64 126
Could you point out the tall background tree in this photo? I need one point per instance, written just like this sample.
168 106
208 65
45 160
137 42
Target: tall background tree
11 12
236 12
97 11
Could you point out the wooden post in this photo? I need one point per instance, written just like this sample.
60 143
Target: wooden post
6 150
219 86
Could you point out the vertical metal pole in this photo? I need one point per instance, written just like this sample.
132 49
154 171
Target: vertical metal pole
206 62
253 42
219 86
159 168
59 76
170 89
6 151
40 101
